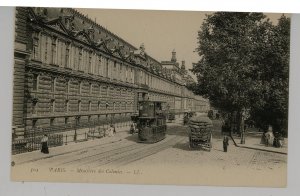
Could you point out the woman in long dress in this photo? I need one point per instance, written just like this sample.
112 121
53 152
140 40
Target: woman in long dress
44 142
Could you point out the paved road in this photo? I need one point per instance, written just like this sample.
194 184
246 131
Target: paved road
173 150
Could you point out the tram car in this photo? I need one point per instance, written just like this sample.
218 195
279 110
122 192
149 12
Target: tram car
151 123
200 133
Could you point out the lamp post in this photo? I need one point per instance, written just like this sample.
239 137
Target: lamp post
76 124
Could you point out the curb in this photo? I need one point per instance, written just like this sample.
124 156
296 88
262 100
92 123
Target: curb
252 148
263 150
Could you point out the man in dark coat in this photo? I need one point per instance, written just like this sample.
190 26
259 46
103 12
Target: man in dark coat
225 143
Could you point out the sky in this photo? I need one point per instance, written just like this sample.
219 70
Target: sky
160 31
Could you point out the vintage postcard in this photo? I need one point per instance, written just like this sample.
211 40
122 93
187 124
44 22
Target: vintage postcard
150 97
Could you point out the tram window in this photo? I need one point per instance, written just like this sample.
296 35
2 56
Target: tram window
159 122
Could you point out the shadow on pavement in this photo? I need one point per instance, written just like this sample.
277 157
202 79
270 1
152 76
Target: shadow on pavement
177 130
133 138
182 146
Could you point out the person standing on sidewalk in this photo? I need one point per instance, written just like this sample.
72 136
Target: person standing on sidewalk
225 143
111 131
44 143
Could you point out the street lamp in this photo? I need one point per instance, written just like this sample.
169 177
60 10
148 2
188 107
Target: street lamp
76 124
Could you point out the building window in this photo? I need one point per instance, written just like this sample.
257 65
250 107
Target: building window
90 106
46 48
67 106
99 66
79 87
34 121
121 75
114 74
62 54
126 72
106 68
53 53
36 46
35 82
51 121
52 106
131 76
90 63
67 56
77 121
99 92
67 90
90 88
34 107
89 119
79 106
99 105
66 120
80 60
52 88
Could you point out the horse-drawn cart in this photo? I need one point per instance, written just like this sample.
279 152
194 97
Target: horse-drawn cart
200 132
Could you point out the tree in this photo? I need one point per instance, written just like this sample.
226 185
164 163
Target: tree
234 50
275 76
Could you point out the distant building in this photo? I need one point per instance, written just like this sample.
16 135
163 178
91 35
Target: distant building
69 69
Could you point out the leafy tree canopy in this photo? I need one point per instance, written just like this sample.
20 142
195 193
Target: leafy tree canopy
244 62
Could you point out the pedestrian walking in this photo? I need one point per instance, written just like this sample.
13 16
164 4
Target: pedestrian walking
44 143
111 131
133 128
269 136
225 143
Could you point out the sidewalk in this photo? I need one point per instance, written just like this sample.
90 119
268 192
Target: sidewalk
252 141
70 147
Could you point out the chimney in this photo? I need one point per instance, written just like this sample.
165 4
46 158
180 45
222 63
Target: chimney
173 59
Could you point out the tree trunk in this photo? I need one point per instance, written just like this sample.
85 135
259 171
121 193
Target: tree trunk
241 126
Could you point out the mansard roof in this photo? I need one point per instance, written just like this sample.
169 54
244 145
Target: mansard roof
73 23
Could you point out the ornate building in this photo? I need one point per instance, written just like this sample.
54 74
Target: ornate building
69 69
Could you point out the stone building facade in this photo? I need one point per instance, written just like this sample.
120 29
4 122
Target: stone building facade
69 69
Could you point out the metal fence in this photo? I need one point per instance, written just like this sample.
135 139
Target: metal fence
34 143
63 134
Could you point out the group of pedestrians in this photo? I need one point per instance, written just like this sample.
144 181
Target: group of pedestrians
271 139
